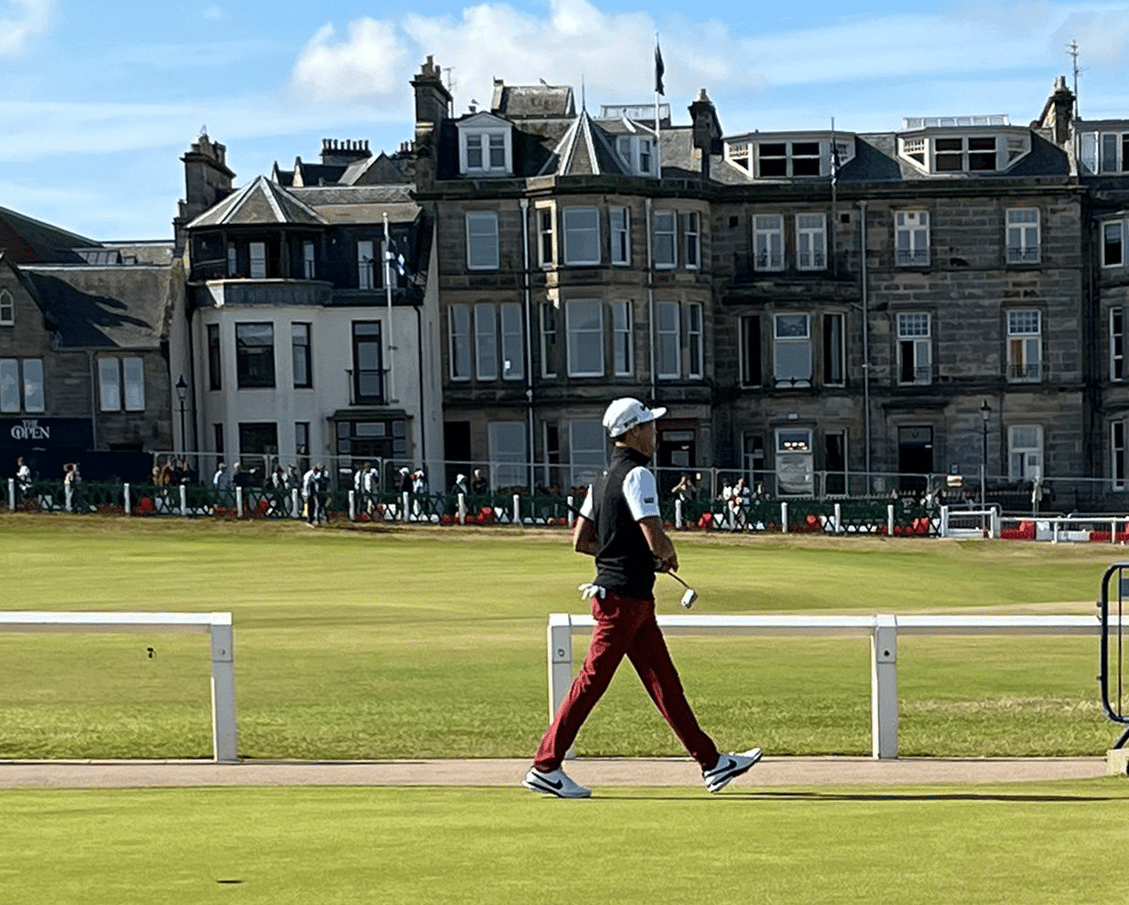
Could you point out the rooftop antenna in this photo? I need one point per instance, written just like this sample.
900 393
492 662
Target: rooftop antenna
1072 49
451 83
583 95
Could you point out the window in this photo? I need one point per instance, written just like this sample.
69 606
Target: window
914 348
548 339
485 342
215 372
21 385
300 356
254 355
486 152
1117 454
545 242
622 358
458 319
792 333
581 235
121 384
752 368
665 251
811 241
794 461
368 363
1117 343
637 154
509 461
482 240
621 235
7 309
768 242
366 264
668 340
1025 452
691 240
1113 244
584 321
788 158
513 342
309 270
301 444
1023 235
1114 152
232 260
834 373
911 238
965 154
1024 357
587 451
258 260
694 340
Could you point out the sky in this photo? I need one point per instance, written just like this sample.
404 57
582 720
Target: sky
100 100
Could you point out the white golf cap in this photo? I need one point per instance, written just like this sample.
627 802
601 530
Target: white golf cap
624 413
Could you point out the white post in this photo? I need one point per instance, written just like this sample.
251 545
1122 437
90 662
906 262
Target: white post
890 519
125 498
12 494
884 687
461 517
678 514
183 500
406 503
560 665
994 524
67 496
944 521
295 505
838 518
223 689
571 513
783 518
517 510
352 506
239 502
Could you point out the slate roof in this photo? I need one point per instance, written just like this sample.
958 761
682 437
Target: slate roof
102 307
24 240
261 202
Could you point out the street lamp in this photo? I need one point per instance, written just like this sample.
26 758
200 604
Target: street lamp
181 392
985 414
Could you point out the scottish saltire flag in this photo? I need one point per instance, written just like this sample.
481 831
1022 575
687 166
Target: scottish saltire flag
396 257
659 70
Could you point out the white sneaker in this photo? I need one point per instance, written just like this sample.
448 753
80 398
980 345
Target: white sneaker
554 782
728 767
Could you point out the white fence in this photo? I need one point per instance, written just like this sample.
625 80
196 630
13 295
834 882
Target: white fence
882 629
217 625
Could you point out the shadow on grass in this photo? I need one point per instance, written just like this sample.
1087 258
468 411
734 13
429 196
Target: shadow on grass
1032 798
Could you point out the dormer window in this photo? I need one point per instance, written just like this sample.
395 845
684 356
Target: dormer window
637 153
781 157
485 146
950 150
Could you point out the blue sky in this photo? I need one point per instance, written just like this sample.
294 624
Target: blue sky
100 100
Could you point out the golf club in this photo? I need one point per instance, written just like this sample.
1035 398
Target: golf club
690 596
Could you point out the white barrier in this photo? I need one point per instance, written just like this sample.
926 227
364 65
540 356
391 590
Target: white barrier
217 625
882 629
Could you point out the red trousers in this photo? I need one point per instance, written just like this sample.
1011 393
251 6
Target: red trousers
627 627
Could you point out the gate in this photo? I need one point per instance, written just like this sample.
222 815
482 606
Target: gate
1113 646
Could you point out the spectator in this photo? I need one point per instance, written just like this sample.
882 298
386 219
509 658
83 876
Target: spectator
685 490
419 481
23 479
239 477
405 481
460 486
479 484
310 494
72 482
221 480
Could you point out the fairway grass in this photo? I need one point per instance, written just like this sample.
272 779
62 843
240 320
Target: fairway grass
1036 842
374 643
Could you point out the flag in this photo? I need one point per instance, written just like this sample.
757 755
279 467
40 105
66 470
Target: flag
396 257
836 165
659 70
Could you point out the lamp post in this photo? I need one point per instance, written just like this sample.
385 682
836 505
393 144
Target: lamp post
985 414
181 392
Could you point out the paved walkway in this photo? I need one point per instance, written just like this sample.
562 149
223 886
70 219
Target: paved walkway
597 772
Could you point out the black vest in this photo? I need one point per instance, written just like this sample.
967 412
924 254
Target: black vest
625 564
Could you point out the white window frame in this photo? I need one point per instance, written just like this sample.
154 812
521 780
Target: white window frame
619 225
1023 235
1113 148
1024 346
967 154
1024 452
584 336
7 309
546 236
783 342
482 240
768 242
915 340
665 231
232 260
485 152
21 386
258 253
580 227
1117 463
550 333
509 457
485 341
637 152
811 241
121 384
1115 229
513 341
668 340
623 358
309 262
911 238
459 341
587 452
366 264
791 159
1117 369
695 341
691 240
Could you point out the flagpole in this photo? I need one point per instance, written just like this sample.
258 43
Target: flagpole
834 197
659 69
389 396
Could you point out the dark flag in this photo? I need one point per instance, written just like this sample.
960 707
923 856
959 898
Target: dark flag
836 165
396 258
659 70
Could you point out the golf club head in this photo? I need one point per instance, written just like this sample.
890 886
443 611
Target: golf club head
689 597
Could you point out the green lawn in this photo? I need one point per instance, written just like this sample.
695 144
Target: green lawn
379 643
1040 842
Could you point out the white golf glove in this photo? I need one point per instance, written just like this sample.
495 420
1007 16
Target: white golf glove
589 590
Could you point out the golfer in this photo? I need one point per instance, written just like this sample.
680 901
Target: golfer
620 525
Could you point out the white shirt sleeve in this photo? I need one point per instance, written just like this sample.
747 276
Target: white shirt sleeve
641 493
586 506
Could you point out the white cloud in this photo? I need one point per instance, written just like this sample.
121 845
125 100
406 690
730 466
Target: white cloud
369 62
22 20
